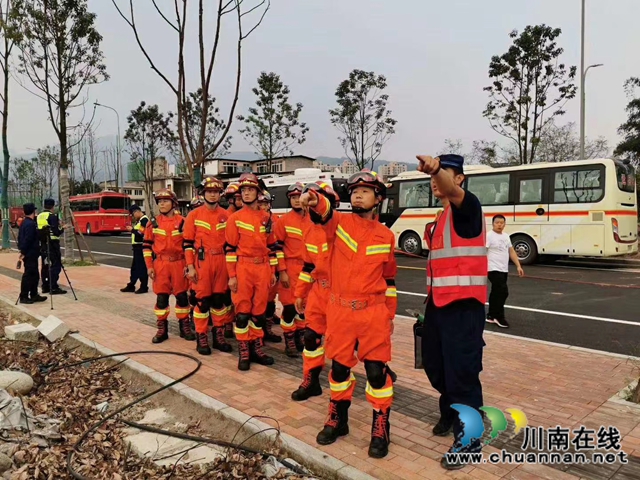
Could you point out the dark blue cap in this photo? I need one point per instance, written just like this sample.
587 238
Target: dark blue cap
28 208
49 202
452 161
134 208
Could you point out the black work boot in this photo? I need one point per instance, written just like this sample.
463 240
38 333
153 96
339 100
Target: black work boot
185 330
337 424
379 446
443 427
202 344
299 339
257 354
244 362
142 290
219 343
130 288
290 345
269 336
163 332
310 386
228 330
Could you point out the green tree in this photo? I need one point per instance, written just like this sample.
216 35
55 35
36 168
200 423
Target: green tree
273 126
61 57
560 143
9 36
148 135
530 87
629 147
362 117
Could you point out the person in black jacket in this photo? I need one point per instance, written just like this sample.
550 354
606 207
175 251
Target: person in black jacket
29 246
138 267
51 229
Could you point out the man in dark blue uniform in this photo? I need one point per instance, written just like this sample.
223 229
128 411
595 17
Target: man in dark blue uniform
138 267
452 340
29 246
50 230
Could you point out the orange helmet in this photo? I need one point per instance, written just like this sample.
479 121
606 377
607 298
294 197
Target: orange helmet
232 189
196 202
265 197
166 194
367 178
211 183
249 180
326 189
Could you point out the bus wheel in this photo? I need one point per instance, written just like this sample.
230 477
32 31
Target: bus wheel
88 229
411 243
525 248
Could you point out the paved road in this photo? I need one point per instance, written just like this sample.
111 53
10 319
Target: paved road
577 302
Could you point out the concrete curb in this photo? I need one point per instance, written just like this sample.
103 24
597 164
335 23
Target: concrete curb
313 457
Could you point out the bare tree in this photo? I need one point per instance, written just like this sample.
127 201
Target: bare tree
61 57
222 14
85 155
452 146
560 143
46 166
111 163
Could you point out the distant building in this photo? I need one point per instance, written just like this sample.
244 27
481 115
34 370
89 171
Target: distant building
325 167
349 167
229 167
392 169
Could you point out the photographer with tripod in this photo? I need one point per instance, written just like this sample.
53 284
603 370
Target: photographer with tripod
50 229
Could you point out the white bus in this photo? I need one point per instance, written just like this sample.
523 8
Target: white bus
581 208
278 186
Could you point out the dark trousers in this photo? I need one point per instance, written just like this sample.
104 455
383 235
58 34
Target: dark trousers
51 273
452 355
138 268
499 294
30 277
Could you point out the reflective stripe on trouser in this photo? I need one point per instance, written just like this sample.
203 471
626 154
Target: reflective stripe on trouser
182 312
380 398
221 317
300 322
288 327
255 331
201 320
242 334
312 359
160 313
342 390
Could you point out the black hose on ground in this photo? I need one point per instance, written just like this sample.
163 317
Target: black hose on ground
222 443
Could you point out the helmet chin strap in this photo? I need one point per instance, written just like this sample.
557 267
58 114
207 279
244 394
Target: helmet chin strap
362 210
210 203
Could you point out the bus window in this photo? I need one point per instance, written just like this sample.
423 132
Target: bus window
531 190
414 194
280 199
490 189
114 203
340 187
626 177
578 186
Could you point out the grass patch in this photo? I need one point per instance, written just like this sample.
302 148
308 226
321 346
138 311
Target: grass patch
80 263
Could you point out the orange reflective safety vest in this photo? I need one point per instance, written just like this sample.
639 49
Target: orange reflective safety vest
457 267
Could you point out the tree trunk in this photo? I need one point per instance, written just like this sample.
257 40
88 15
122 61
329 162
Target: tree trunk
69 247
4 201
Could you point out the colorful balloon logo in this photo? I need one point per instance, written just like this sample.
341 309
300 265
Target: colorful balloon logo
498 421
519 418
473 425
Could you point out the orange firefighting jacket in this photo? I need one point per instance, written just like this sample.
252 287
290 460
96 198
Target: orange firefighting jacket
457 267
289 231
205 228
316 260
164 240
363 263
249 234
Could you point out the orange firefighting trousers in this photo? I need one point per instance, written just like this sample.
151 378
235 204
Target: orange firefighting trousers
254 279
287 295
212 279
170 279
315 315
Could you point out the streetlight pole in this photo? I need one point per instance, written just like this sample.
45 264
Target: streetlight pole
583 100
121 174
582 78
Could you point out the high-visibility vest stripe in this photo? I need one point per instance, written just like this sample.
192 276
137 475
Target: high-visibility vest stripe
203 224
391 292
452 252
457 281
378 249
221 226
312 248
305 277
346 238
245 226
293 230
159 231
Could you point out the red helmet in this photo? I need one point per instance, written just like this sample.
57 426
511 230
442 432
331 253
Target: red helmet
196 202
232 189
295 189
249 180
326 189
166 194
265 197
367 178
211 183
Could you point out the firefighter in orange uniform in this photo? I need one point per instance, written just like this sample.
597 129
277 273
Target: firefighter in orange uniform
312 297
289 231
204 242
233 196
167 270
195 203
265 200
362 306
251 263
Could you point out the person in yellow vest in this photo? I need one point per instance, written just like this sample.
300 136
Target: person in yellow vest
50 229
457 266
138 267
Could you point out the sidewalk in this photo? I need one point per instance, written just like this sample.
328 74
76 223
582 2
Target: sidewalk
553 385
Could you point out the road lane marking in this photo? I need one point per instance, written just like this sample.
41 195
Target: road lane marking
97 253
120 243
549 312
411 268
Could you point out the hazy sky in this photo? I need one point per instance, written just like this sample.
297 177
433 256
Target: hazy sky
435 56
